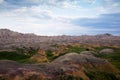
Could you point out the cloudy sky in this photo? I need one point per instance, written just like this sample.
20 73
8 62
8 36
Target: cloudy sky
61 17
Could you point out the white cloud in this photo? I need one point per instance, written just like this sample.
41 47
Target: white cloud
100 10
22 20
26 14
51 28
90 1
1 1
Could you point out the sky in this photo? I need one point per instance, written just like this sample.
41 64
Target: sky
61 17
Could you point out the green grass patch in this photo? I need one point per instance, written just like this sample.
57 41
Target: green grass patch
12 56
76 49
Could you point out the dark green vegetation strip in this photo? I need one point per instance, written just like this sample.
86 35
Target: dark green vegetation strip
12 56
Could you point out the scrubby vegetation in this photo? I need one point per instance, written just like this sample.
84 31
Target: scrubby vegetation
90 72
113 58
24 58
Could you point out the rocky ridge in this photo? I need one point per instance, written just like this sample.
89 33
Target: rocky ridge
10 40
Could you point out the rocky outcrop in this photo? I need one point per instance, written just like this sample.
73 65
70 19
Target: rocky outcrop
107 51
69 66
43 71
88 53
88 61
